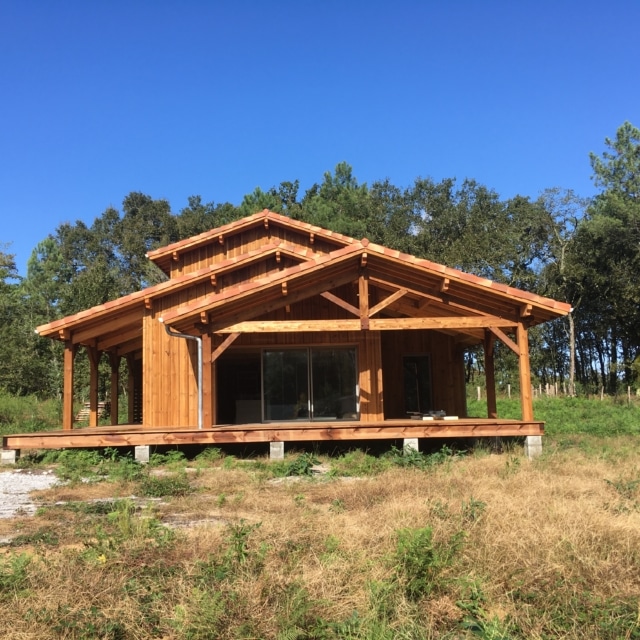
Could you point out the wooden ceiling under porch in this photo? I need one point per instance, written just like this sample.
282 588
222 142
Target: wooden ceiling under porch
290 432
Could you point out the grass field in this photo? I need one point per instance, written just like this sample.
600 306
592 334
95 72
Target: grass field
472 544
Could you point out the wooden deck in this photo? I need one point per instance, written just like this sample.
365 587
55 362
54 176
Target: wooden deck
136 435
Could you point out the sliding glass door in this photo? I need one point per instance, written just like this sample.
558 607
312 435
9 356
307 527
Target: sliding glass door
310 384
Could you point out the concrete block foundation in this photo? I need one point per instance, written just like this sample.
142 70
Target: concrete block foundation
142 454
276 450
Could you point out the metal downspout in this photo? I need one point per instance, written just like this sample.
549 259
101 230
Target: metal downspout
198 339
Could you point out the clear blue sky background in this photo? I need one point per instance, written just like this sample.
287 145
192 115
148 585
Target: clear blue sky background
214 98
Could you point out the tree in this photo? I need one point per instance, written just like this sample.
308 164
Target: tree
608 254
618 170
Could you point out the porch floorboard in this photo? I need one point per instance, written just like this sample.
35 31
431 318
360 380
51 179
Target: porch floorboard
137 435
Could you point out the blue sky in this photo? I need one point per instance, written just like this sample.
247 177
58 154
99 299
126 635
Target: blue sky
215 98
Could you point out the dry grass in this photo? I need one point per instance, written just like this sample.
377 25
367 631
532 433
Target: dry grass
545 549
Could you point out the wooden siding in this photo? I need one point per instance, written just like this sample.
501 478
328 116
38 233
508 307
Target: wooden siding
241 243
447 370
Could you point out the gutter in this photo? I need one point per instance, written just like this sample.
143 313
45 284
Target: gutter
198 339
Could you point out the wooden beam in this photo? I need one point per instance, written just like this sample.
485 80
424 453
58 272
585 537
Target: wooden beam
382 324
222 347
363 296
526 402
130 435
506 339
341 303
387 301
526 310
444 285
67 395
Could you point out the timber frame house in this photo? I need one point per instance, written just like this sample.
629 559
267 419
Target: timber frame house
273 330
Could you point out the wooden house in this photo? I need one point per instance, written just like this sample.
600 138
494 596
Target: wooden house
273 330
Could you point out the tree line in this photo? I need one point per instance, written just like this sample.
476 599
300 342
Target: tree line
583 251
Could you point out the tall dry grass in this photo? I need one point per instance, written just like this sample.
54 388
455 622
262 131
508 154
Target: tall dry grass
482 545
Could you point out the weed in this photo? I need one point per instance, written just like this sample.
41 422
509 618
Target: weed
13 573
171 485
42 536
472 510
209 455
173 457
358 463
420 561
301 465
511 466
337 506
80 623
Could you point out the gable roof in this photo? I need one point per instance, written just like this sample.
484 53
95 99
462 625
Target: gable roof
412 288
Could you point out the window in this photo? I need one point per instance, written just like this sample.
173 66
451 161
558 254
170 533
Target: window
310 384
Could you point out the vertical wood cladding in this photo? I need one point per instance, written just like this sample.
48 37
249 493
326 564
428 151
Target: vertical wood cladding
447 370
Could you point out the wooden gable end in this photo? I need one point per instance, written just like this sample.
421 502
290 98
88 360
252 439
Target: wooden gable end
241 237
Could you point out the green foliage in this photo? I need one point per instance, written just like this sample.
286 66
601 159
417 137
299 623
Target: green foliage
162 486
301 465
13 574
80 623
421 562
358 463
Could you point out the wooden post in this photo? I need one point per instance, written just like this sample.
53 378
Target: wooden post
489 370
94 361
526 403
114 361
67 402
207 382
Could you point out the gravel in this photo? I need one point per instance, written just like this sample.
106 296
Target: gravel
15 487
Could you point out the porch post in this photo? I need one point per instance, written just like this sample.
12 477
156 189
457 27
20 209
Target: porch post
94 360
526 402
114 361
490 374
67 394
207 381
